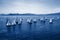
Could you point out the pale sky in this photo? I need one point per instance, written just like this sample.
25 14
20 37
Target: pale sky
29 6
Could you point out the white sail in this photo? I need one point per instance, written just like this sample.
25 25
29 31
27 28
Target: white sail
13 23
34 20
8 23
29 20
42 19
20 21
51 20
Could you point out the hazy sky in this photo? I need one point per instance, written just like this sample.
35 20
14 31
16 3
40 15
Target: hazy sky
30 6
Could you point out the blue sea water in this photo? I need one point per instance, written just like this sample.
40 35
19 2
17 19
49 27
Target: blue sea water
25 31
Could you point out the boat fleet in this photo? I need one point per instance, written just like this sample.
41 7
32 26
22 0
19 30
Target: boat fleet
29 20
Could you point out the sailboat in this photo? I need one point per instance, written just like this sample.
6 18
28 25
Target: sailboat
13 23
51 21
8 24
42 20
34 20
29 21
20 21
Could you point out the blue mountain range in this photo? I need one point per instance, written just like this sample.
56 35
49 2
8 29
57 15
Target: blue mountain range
27 14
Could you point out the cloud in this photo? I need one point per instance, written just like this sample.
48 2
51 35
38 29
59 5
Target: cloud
29 6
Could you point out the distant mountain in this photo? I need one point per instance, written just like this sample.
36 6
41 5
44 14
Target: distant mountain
17 14
54 14
27 14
